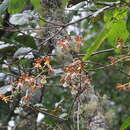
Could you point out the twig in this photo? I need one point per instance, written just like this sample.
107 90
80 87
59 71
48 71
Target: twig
109 5
45 42
106 66
51 22
46 113
104 51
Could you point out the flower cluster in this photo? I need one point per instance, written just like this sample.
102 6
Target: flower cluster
64 44
42 63
37 62
25 81
79 43
67 44
112 59
75 77
28 84
5 98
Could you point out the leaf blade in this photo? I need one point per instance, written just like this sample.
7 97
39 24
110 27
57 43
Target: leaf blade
37 5
125 124
15 6
101 37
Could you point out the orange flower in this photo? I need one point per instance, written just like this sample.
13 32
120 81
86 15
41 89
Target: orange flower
120 86
47 60
128 87
86 80
78 39
43 80
37 65
1 96
79 42
33 88
26 98
31 79
64 44
38 60
62 80
113 60
38 86
5 98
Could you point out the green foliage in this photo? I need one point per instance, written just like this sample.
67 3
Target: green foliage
128 22
64 3
26 40
24 62
37 5
125 124
116 23
16 6
98 42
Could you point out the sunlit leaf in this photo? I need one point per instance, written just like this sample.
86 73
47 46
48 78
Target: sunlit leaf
125 124
15 6
26 40
116 23
37 5
128 22
64 3
98 42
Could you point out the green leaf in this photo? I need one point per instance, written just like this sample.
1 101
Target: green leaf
64 3
26 40
3 6
15 6
116 22
125 124
37 5
128 22
98 42
25 62
117 30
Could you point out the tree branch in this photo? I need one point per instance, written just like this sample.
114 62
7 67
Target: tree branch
104 51
95 14
45 113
